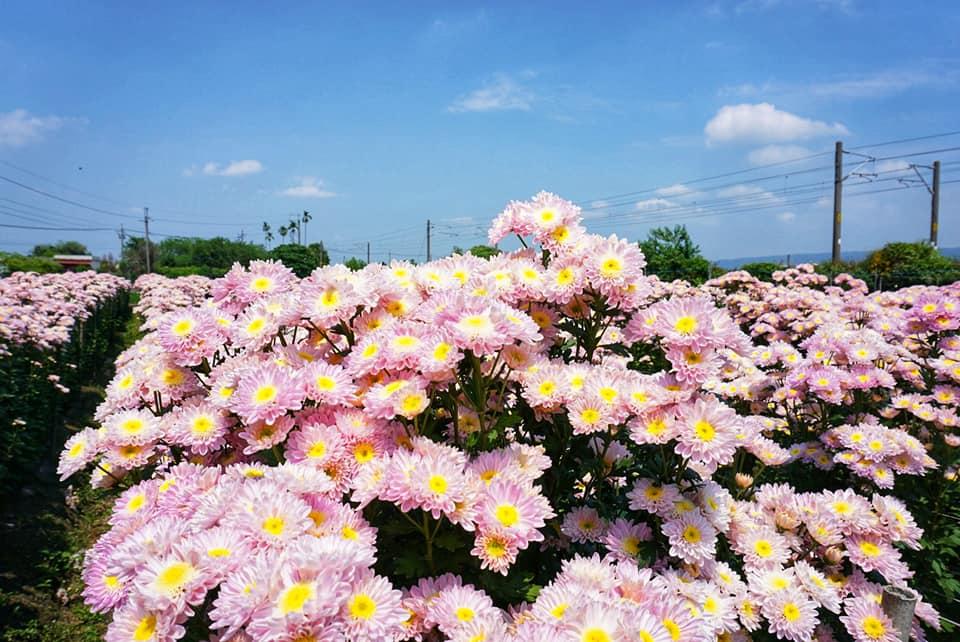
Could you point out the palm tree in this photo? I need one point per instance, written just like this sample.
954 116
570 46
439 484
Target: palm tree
267 234
283 232
294 224
305 219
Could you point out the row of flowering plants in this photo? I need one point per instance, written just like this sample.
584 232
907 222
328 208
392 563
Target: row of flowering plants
56 332
546 445
160 294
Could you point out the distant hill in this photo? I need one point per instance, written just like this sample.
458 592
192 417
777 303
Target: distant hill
811 257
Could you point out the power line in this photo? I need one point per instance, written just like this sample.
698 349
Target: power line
907 140
59 229
62 185
65 200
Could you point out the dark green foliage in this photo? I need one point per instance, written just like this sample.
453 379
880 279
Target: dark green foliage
484 251
672 254
302 259
354 263
184 256
762 270
10 263
32 409
60 247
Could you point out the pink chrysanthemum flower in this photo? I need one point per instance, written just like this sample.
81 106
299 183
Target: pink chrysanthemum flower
373 610
583 524
623 538
791 615
865 621
707 432
134 427
327 383
274 518
458 606
316 444
77 452
652 497
201 427
514 510
692 538
266 392
497 551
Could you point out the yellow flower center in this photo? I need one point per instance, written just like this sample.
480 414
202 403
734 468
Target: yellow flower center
362 607
705 430
595 635
507 514
685 325
202 425
873 627
869 549
437 484
611 267
264 394
295 597
173 577
182 327
273 526
363 452
145 628
261 284
692 534
791 612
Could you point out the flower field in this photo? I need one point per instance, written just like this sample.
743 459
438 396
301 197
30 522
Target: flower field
544 445
55 332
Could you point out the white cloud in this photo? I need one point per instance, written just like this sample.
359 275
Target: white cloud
233 168
777 154
653 204
756 195
674 190
599 205
308 187
786 217
843 6
502 93
764 123
892 166
875 84
19 127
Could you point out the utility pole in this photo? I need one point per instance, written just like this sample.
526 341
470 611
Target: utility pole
837 198
368 252
123 241
935 204
428 240
146 235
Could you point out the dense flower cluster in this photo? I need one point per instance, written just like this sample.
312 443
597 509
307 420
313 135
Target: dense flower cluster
160 294
41 309
598 455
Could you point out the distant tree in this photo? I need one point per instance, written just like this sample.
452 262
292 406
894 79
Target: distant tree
60 247
354 264
320 252
762 270
304 219
672 254
484 251
900 264
11 262
302 259
283 233
133 261
267 234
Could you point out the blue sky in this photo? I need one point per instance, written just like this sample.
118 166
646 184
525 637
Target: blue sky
378 116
